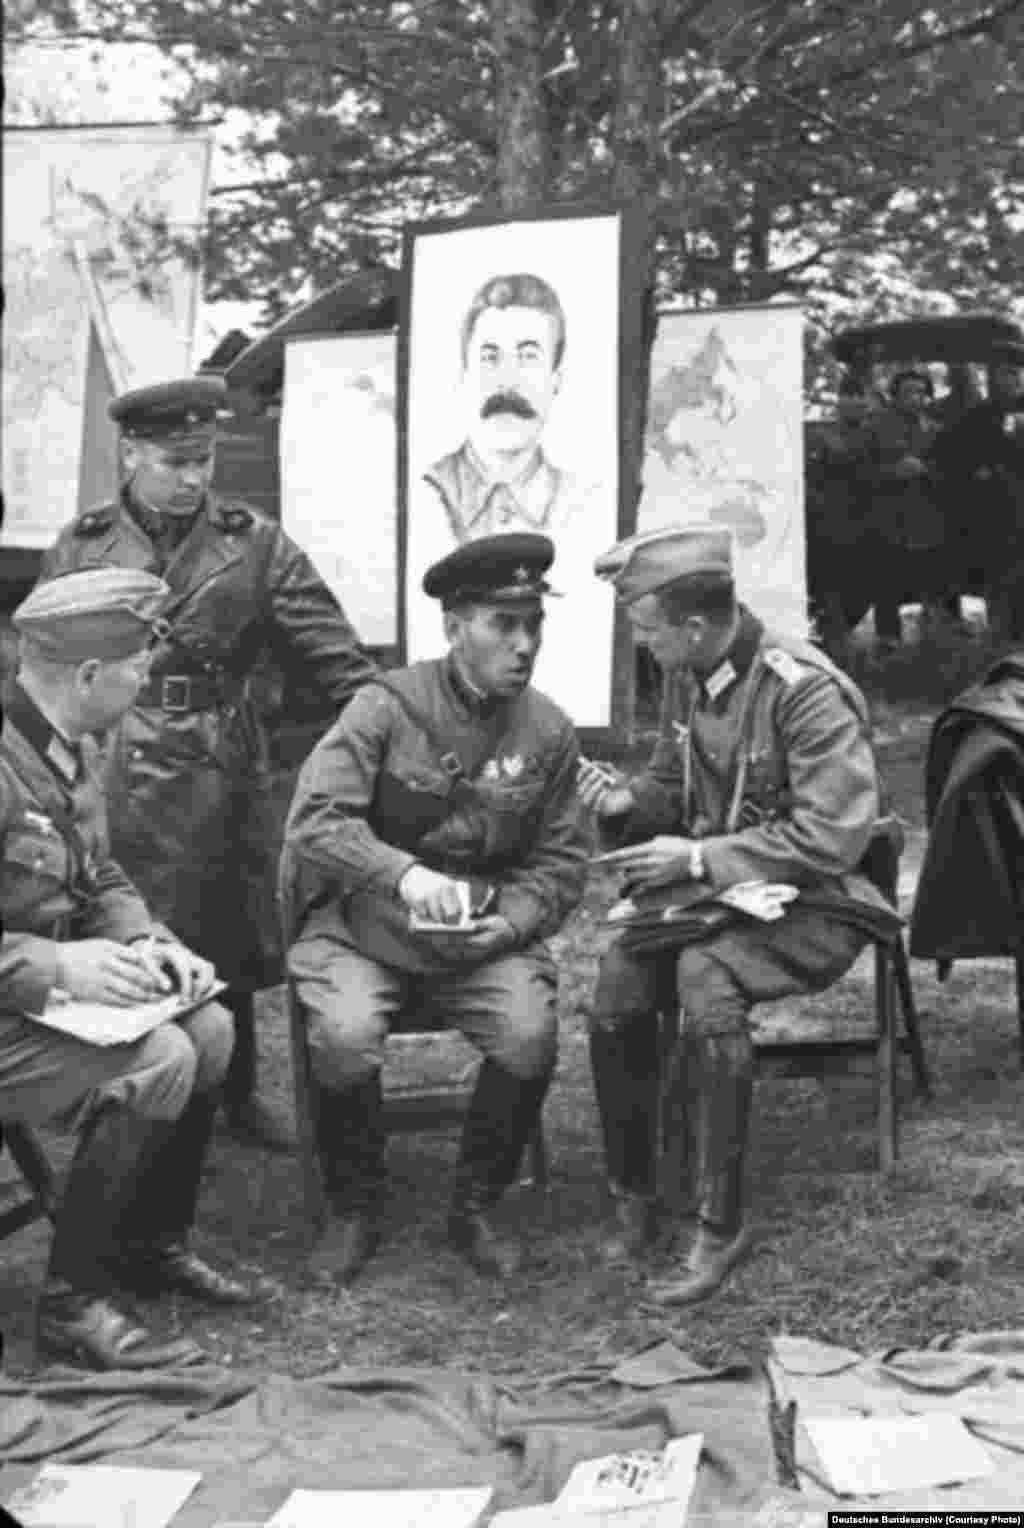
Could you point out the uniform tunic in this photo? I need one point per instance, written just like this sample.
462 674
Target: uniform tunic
371 801
187 776
769 762
58 882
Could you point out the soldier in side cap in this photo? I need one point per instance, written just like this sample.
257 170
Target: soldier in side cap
763 771
74 924
188 780
449 771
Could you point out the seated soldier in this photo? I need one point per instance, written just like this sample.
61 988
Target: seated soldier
453 770
763 771
73 924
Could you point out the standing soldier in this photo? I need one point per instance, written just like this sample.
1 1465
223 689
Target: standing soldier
188 782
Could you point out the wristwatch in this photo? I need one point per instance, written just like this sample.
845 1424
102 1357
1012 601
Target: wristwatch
696 861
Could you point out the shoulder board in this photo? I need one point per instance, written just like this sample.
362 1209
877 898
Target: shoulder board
783 664
95 521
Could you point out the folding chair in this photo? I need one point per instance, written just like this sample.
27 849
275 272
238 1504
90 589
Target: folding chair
817 1050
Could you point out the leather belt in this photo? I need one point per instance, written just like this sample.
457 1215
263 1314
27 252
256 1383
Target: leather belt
188 692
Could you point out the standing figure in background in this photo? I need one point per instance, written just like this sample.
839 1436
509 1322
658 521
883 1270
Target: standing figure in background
188 781
980 457
908 530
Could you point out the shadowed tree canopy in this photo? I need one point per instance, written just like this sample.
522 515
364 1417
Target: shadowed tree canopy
777 147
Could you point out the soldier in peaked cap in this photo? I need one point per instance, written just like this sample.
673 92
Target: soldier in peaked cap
450 771
763 771
188 781
75 925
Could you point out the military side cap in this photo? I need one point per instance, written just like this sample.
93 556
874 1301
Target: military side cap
647 563
106 613
493 569
180 411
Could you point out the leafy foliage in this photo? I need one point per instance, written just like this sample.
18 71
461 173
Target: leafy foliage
796 139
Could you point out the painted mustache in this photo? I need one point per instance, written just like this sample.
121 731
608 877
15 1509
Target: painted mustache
507 403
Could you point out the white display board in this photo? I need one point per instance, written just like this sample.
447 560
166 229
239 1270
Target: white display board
337 447
578 259
725 442
75 207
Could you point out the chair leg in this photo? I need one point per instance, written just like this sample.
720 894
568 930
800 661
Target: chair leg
901 970
536 1175
313 1198
888 1129
1020 1003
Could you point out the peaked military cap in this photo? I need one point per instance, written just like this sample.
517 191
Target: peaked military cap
107 613
184 411
493 568
647 563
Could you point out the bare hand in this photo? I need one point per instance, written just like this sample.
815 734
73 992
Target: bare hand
430 895
192 974
641 864
603 791
490 936
102 971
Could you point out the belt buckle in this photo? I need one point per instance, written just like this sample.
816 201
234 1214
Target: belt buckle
183 683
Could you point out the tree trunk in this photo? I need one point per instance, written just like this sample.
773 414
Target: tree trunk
638 117
524 159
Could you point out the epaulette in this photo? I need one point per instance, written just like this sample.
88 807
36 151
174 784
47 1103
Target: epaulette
95 521
784 664
234 518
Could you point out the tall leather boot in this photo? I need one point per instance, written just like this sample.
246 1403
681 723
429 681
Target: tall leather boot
624 1063
75 1317
249 1117
351 1142
154 1256
718 1086
500 1120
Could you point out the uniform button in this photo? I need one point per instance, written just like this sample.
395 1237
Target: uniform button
136 753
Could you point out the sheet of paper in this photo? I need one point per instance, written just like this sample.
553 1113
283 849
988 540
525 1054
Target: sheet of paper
383 1509
637 1479
102 1496
104 1024
868 1456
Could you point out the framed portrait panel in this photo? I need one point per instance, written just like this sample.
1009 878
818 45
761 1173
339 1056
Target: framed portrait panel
339 396
514 338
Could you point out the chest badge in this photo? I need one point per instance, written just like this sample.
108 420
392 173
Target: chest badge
491 770
512 765
682 732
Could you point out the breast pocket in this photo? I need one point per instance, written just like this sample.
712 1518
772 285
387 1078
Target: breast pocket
408 806
766 791
35 871
513 813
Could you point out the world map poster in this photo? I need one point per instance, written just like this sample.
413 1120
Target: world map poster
99 298
724 443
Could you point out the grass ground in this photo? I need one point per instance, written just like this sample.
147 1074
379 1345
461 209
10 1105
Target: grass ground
844 1254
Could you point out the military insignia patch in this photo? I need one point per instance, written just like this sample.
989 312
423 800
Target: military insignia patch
522 575
783 664
717 683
